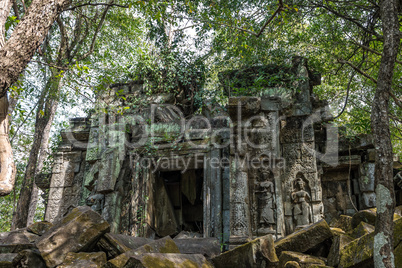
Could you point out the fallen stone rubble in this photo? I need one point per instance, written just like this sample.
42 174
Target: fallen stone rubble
82 239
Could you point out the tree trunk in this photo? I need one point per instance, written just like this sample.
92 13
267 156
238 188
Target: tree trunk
383 239
25 39
7 167
14 56
7 171
41 158
5 7
44 117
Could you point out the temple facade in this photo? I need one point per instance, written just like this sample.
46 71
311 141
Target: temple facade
265 164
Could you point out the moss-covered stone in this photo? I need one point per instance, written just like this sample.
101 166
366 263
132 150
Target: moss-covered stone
258 253
398 256
343 222
338 243
361 229
397 232
116 244
6 260
78 231
304 239
303 260
29 258
40 227
358 253
337 231
292 264
160 260
209 247
368 216
164 245
84 260
398 211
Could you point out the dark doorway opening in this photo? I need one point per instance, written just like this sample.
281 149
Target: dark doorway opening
185 194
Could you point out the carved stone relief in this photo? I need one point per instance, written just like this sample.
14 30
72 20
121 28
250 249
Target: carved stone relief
266 203
302 212
239 211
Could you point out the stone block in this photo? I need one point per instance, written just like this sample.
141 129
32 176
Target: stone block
116 244
296 129
40 227
78 231
339 242
29 258
345 162
186 235
258 253
84 260
160 260
303 260
366 177
358 253
271 104
398 256
304 239
19 238
15 248
209 247
247 106
367 215
164 245
371 155
6 260
89 177
109 171
369 200
335 175
362 229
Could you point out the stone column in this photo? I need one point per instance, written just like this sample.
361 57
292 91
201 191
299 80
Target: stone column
64 192
240 109
366 185
300 199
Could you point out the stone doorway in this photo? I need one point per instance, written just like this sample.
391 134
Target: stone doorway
184 191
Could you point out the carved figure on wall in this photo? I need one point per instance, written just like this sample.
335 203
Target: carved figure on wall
266 202
301 199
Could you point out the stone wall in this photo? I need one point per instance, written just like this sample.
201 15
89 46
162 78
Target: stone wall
268 165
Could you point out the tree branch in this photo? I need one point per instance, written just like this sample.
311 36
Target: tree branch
357 69
63 42
5 7
358 24
372 50
51 65
91 49
279 9
97 4
347 96
396 99
15 8
24 6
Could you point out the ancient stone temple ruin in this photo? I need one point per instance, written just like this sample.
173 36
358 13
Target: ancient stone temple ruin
269 163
